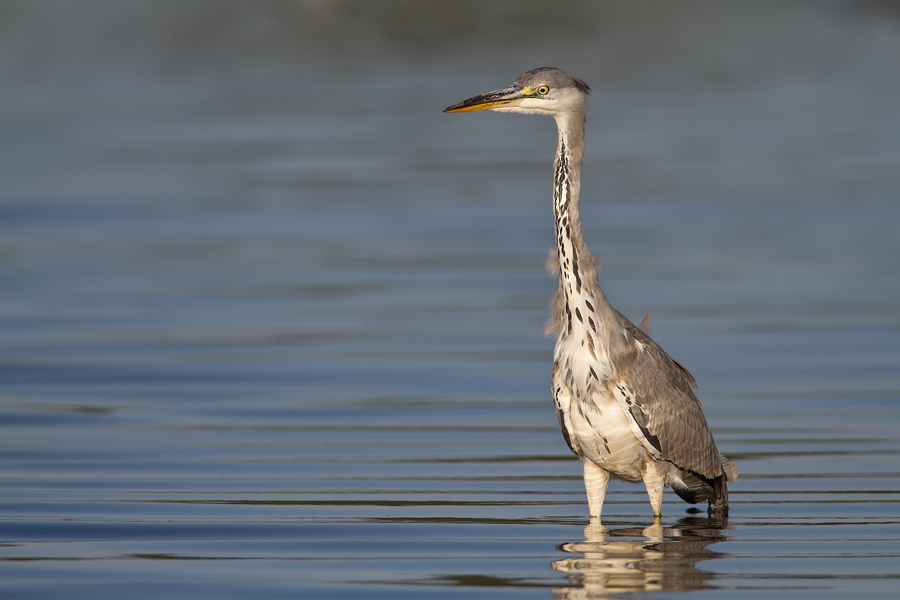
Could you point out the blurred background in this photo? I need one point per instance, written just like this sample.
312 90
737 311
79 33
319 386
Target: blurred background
251 274
177 157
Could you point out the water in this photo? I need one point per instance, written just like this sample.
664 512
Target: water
272 324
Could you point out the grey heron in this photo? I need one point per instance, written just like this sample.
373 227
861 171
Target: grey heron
625 407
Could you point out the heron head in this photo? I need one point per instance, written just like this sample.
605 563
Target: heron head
545 91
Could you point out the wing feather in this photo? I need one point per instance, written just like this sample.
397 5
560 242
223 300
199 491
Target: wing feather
656 391
674 371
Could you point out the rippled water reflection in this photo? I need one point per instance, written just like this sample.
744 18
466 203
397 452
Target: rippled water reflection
255 344
634 559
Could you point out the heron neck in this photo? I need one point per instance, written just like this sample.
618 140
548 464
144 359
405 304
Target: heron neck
574 257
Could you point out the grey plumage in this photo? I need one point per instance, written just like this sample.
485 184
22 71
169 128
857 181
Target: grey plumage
625 407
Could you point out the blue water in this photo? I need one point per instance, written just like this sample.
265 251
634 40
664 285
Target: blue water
272 325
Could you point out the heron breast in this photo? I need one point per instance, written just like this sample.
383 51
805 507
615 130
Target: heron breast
602 431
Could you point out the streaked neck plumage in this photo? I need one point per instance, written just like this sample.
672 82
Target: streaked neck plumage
577 267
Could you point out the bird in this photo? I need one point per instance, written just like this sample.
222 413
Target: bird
626 408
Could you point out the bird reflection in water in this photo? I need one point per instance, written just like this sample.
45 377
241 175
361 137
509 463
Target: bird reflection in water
665 559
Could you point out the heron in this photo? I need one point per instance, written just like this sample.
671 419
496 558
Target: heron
625 407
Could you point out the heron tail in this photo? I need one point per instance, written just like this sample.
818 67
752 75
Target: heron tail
701 489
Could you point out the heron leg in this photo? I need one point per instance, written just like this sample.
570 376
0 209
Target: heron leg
595 481
655 481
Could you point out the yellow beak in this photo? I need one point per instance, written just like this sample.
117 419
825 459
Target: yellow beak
511 96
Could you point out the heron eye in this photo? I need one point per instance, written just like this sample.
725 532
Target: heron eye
543 90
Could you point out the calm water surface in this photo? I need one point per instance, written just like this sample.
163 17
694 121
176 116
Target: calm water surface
297 352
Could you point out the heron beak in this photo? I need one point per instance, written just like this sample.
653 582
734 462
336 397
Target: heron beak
511 96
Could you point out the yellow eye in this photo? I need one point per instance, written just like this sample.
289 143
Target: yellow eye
543 90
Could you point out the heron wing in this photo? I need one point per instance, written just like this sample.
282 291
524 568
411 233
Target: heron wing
656 391
674 371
